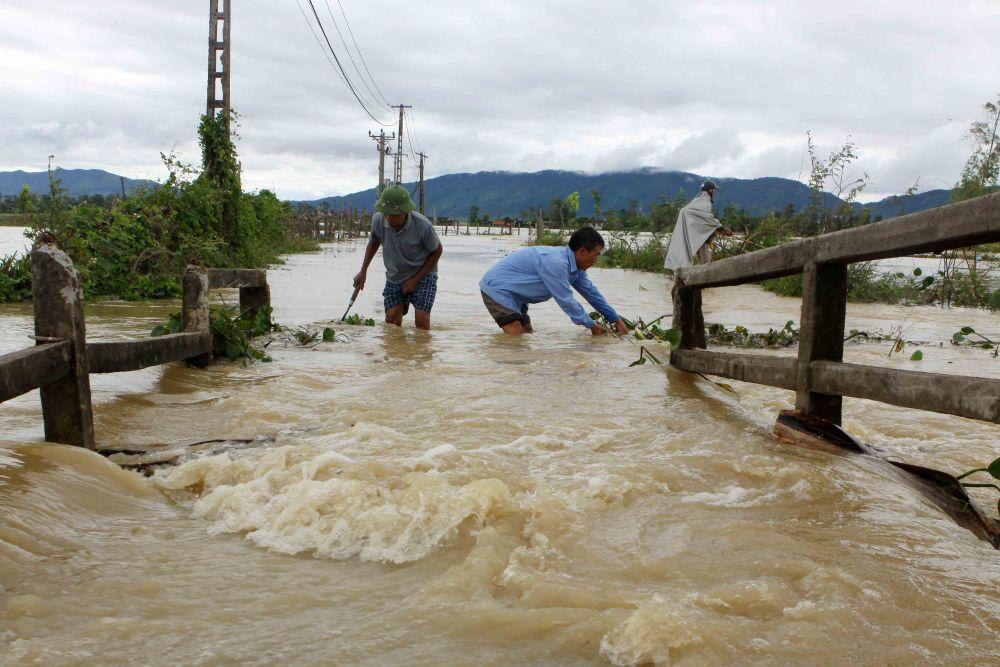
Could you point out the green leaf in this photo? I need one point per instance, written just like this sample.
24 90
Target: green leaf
968 330
957 338
233 350
328 334
994 468
638 334
918 272
159 330
986 346
673 336
638 362
917 356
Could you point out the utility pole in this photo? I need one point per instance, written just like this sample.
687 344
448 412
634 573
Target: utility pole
218 42
398 176
122 179
380 139
422 156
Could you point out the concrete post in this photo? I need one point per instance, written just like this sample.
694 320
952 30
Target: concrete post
252 299
821 337
688 316
58 306
194 313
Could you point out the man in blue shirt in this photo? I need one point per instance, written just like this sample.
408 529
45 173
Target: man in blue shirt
540 273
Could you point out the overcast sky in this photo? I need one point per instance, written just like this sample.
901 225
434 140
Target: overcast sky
717 88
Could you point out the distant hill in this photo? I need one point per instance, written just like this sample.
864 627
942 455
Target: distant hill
76 182
502 193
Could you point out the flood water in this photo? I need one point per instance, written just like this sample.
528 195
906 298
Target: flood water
462 497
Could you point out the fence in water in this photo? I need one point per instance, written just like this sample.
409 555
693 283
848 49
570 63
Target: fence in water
818 375
60 363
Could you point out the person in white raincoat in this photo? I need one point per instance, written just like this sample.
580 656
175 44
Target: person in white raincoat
694 229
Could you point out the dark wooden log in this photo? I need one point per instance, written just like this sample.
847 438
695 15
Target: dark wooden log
757 368
977 398
31 368
951 226
821 336
58 305
945 491
228 278
131 355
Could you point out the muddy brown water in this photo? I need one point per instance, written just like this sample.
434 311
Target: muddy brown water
468 498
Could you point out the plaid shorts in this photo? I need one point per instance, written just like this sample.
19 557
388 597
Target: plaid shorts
422 299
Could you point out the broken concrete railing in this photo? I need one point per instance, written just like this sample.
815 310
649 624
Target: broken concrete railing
62 360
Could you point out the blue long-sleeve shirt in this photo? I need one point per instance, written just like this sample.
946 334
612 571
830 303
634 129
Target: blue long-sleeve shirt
540 273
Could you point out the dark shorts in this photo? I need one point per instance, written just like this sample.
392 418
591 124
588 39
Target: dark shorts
504 315
422 299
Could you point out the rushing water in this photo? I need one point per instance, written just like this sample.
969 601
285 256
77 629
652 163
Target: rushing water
462 497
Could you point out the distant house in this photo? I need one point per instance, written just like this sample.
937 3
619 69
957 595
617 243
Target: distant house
591 222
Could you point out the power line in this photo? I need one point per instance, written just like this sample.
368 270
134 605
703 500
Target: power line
356 48
340 67
319 43
413 152
383 106
416 139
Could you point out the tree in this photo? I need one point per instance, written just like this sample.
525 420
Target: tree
572 205
556 210
597 203
831 174
982 169
25 204
473 215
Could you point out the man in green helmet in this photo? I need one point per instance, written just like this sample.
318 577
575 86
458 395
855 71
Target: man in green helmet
410 250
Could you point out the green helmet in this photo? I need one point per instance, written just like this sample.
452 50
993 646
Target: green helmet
395 200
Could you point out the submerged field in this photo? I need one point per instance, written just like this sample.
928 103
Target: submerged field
464 497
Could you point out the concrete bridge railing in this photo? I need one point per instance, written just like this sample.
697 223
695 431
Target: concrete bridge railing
60 363
818 376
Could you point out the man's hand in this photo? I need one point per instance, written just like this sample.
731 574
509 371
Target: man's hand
598 330
410 285
621 327
359 280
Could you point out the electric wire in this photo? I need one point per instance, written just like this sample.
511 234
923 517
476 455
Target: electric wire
416 139
382 106
356 48
339 66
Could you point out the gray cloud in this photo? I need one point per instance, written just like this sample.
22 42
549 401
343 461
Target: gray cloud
726 88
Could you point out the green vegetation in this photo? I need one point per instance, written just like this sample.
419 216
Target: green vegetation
549 237
233 331
625 250
356 319
993 469
969 336
138 246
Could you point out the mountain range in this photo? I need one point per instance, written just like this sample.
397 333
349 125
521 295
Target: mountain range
76 182
501 193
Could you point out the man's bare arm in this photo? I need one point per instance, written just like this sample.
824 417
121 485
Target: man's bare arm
359 280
